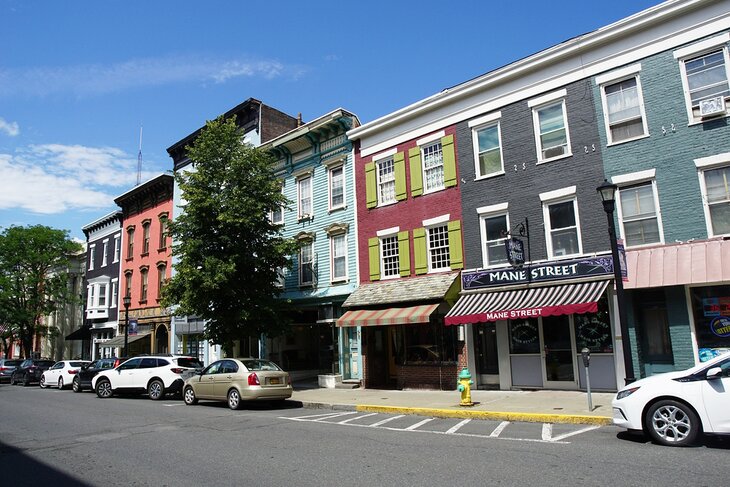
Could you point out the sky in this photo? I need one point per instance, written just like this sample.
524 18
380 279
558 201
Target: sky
79 80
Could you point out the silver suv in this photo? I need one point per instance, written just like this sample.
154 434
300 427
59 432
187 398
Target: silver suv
155 375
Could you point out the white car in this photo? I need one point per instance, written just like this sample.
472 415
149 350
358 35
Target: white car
674 408
155 375
61 374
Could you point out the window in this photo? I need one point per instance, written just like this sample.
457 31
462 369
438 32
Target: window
161 271
338 248
143 274
128 284
163 232
306 274
337 187
552 131
524 336
104 249
489 150
624 110
433 166
494 233
706 76
145 238
115 297
717 199
438 248
277 214
97 299
304 189
653 334
639 219
562 228
117 247
101 302
389 257
130 243
90 298
92 250
386 181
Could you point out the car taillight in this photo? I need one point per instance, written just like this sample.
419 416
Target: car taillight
253 379
177 370
288 379
3 368
72 371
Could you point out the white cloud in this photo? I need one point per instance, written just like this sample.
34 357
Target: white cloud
10 128
94 79
54 178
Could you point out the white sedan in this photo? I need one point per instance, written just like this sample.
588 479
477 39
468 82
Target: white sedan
674 408
61 374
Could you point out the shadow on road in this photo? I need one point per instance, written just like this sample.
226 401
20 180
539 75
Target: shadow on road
714 442
19 469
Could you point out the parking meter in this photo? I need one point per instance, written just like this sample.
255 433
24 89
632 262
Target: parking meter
586 354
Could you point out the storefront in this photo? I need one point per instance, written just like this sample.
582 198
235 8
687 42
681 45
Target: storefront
525 328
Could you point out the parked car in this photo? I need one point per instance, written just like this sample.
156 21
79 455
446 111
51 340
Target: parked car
82 380
30 370
7 366
674 408
155 375
237 380
61 373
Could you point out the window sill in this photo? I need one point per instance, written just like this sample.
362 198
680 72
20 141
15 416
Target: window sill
338 208
434 190
144 254
641 246
626 141
128 259
383 205
553 159
303 218
143 301
162 249
700 121
339 282
489 176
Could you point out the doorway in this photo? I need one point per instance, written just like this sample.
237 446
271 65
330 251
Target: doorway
487 358
558 352
377 357
351 353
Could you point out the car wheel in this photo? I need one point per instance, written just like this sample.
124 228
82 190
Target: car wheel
234 399
156 390
672 423
26 380
76 385
189 396
12 380
60 383
42 383
104 389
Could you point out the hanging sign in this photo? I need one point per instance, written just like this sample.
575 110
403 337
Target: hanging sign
515 249
132 326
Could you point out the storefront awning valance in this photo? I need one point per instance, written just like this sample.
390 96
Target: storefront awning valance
388 316
118 341
83 333
527 302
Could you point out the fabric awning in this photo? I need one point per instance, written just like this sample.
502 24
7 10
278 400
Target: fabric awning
118 341
527 302
388 316
83 333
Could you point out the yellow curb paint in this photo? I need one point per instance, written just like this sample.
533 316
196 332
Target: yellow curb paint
493 415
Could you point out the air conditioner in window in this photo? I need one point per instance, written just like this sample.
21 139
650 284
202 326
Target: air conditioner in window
712 106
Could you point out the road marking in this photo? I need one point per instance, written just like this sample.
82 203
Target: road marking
566 435
547 431
321 417
356 418
456 427
419 424
386 420
498 430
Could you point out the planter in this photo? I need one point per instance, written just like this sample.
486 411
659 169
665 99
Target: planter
329 381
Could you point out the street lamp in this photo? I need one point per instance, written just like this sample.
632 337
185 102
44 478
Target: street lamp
608 195
127 300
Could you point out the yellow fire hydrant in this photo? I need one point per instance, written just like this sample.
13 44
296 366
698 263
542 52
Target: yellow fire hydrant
465 384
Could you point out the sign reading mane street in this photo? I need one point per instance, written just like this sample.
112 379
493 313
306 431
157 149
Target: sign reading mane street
548 271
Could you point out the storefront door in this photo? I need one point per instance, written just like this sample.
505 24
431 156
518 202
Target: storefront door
558 352
487 359
351 353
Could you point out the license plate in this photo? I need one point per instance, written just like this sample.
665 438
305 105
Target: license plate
274 380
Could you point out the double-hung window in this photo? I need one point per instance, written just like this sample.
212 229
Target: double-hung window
163 232
494 235
487 145
144 283
277 214
161 272
104 251
146 237
623 105
117 247
438 248
338 250
389 257
114 297
551 126
386 181
704 68
639 215
337 187
92 251
433 166
562 229
128 284
304 197
306 263
717 199
130 242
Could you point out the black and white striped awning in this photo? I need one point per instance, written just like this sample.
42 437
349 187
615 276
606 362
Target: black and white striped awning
528 302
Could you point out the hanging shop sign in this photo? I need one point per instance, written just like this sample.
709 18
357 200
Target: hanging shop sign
544 272
515 249
132 326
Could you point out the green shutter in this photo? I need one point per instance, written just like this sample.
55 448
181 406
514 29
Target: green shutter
420 251
371 185
404 254
399 164
374 252
447 149
414 162
456 256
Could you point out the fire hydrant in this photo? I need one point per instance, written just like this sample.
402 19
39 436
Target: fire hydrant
465 384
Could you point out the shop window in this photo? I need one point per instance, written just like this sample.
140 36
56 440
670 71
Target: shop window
711 308
593 330
656 344
524 336
427 344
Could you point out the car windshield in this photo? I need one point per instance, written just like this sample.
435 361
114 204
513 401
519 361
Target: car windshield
189 362
44 363
261 365
78 364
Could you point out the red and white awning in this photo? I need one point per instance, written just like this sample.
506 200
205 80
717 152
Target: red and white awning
388 316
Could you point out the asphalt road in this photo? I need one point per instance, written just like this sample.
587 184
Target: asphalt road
58 438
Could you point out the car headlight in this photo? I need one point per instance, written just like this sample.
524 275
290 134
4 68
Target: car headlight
626 392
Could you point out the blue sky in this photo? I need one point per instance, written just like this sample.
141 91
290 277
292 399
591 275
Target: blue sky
79 78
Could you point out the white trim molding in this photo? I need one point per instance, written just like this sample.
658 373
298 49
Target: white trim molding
558 194
634 177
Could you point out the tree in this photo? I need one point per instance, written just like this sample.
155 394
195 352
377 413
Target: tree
228 252
33 278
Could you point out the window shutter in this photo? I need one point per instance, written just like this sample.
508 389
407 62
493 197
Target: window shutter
420 251
456 256
371 185
414 160
404 254
374 252
399 164
447 148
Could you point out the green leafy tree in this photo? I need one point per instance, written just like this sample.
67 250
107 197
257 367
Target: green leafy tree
228 253
33 279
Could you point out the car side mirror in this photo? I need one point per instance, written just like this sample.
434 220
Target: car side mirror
714 373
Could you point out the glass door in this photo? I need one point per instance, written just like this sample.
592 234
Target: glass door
558 352
487 360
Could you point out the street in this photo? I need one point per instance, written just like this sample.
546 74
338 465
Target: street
51 437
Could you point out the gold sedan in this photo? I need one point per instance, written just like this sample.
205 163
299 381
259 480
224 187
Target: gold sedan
235 380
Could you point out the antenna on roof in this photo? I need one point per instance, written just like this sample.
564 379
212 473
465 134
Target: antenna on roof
139 158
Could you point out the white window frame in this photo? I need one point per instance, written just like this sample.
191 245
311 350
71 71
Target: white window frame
117 247
718 161
279 221
611 79
93 296
476 126
300 213
540 103
310 244
343 236
486 213
379 182
696 50
330 172
424 143
105 248
388 235
556 197
429 249
114 293
631 180
92 250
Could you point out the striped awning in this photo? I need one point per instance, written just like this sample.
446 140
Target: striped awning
388 316
527 303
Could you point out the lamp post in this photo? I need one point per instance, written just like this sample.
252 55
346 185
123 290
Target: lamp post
608 196
127 300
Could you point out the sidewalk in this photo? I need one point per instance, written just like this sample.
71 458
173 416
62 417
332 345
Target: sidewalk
533 406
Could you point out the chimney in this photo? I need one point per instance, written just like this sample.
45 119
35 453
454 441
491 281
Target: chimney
299 120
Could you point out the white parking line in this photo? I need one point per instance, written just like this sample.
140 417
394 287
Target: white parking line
322 417
566 435
547 431
419 424
386 420
356 418
498 430
456 427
